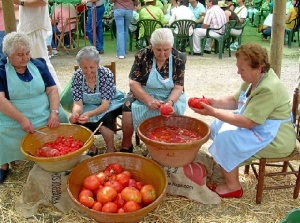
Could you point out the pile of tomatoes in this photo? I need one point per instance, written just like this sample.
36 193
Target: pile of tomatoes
172 134
61 146
115 191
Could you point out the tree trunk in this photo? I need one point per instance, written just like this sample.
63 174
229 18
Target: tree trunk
9 16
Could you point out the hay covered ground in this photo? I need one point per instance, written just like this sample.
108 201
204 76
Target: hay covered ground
207 76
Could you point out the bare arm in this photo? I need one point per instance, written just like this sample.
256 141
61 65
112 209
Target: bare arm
288 17
53 96
31 3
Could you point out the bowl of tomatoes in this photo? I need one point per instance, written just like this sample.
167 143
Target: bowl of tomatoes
58 149
173 141
138 188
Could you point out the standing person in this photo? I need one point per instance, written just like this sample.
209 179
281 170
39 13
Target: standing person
2 29
29 98
34 21
214 18
262 127
156 77
198 10
123 10
95 18
95 97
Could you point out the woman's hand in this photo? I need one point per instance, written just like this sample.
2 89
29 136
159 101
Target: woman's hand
207 110
26 125
53 120
74 118
84 118
155 104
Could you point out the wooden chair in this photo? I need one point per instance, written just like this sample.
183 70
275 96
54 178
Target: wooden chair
221 40
284 163
291 32
182 28
148 25
73 34
118 120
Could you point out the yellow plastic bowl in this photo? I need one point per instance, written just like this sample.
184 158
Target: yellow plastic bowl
142 169
32 142
173 154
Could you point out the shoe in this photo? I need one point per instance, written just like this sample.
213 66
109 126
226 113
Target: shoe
3 174
130 150
93 153
207 51
101 51
195 54
234 194
121 57
54 51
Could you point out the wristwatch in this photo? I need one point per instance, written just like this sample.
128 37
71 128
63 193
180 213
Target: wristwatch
22 2
55 110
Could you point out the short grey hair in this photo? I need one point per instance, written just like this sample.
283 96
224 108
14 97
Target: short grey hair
162 36
15 40
88 53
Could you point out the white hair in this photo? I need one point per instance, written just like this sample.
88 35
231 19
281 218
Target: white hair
162 36
15 40
88 53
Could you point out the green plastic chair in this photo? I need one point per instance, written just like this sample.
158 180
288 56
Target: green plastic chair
183 28
240 36
130 34
221 40
292 217
291 32
149 25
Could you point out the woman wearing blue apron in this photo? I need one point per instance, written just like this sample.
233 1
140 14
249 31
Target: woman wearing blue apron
95 97
29 98
156 77
262 125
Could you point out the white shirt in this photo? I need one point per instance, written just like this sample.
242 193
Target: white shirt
241 12
268 21
182 12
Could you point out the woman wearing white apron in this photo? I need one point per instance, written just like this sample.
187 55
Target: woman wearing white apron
29 98
156 77
95 96
262 125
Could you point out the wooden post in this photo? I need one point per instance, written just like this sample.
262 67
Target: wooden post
277 36
9 16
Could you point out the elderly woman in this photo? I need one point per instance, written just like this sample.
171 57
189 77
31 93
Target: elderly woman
28 98
95 97
156 77
262 126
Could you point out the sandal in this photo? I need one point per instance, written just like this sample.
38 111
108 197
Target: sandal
130 150
93 151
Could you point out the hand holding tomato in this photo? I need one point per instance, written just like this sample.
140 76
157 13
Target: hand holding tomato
196 102
166 110
74 118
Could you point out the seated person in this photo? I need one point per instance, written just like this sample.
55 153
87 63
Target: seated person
28 96
95 97
230 5
168 8
133 28
267 26
198 10
262 126
150 11
156 77
292 14
59 17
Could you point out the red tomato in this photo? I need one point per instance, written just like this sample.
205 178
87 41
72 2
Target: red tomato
148 194
195 102
86 201
91 182
139 185
115 184
106 194
131 194
86 192
121 211
102 177
127 173
131 206
166 109
123 179
113 168
132 183
96 191
110 207
119 201
97 206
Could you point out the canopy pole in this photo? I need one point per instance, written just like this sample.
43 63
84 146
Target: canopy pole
9 16
277 35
